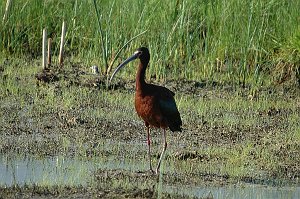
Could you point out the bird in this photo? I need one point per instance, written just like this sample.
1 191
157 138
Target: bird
154 104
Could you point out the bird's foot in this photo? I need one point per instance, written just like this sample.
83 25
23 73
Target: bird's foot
157 171
152 171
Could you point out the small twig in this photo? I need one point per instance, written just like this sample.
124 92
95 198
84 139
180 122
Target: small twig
44 47
49 51
62 41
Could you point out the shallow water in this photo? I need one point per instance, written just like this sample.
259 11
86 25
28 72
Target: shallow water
232 192
59 170
47 171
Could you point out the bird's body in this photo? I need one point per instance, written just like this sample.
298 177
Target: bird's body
154 104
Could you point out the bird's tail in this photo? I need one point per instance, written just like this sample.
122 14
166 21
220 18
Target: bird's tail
176 127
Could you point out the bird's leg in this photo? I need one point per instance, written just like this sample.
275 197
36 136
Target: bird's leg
163 151
149 147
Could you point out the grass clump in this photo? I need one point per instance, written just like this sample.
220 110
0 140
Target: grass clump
240 40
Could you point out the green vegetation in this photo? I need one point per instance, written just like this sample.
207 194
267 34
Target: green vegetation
234 66
237 41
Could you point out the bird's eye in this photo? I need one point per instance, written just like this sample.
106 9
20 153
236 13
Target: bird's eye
138 53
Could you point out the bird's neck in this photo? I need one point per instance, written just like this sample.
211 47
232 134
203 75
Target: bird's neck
140 76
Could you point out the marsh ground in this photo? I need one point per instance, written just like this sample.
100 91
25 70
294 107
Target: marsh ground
232 135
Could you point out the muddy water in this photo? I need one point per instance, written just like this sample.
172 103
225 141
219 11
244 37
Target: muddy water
59 170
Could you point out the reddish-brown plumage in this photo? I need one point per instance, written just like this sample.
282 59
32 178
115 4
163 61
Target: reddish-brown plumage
148 98
154 104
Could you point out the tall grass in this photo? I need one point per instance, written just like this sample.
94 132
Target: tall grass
187 39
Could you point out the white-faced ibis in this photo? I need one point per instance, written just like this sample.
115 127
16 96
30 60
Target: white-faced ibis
154 104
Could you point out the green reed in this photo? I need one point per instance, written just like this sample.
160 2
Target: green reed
240 40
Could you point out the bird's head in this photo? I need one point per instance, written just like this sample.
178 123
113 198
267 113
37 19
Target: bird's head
142 53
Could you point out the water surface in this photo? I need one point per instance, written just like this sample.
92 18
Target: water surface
59 170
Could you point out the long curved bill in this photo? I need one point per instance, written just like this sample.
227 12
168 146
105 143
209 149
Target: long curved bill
133 57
